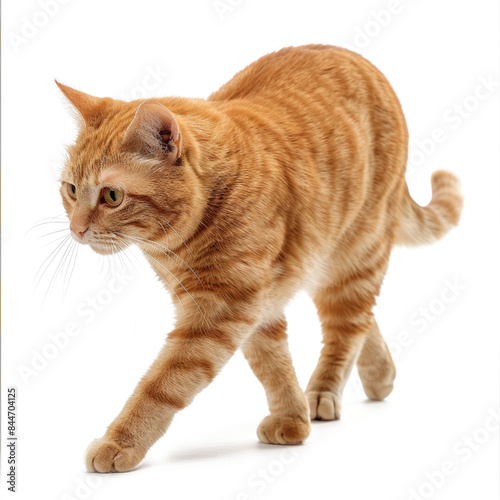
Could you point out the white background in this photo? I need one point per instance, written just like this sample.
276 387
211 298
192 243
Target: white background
435 55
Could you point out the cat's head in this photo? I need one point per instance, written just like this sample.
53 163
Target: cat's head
127 178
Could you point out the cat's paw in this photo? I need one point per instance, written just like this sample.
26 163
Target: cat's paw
277 429
324 405
104 455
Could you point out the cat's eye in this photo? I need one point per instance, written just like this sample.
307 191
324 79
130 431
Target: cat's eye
72 191
112 197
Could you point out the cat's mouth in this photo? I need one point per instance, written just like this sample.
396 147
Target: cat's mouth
104 247
99 246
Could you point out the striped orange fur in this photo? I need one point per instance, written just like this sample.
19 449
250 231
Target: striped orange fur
290 176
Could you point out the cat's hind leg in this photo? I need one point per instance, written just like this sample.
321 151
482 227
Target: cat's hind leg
268 355
375 366
345 311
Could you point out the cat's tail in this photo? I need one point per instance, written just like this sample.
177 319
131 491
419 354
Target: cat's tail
420 225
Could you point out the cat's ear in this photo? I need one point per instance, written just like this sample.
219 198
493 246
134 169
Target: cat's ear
154 130
89 108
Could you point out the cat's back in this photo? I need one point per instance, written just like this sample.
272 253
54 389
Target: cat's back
311 69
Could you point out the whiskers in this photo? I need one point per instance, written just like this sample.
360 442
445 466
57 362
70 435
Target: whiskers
161 249
59 265
58 219
180 237
117 259
60 262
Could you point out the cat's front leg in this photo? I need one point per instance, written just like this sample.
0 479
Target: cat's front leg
188 362
267 353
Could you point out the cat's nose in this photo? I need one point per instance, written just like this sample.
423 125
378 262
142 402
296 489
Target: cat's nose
78 229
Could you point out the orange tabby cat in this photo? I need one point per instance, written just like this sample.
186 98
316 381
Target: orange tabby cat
290 176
